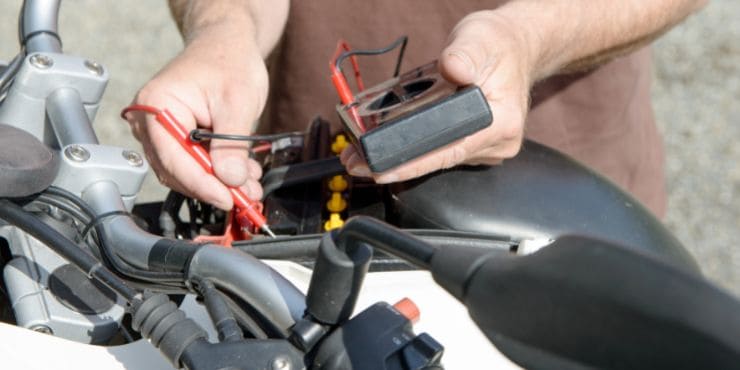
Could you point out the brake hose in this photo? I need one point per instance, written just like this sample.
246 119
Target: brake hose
15 215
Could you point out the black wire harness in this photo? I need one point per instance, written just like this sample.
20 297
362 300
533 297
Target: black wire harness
400 42
8 74
15 215
74 206
203 135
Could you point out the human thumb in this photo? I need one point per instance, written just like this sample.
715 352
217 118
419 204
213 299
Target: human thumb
230 158
230 164
468 55
457 67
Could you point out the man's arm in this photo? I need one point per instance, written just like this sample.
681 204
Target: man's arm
567 35
506 50
262 20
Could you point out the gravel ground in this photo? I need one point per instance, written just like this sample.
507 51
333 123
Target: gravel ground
697 83
696 94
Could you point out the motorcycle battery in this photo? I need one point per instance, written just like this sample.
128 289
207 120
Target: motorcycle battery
410 115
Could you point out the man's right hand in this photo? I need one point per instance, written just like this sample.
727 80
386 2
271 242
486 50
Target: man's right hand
215 85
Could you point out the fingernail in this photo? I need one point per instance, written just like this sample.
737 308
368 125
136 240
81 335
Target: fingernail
466 60
359 171
222 201
232 171
222 205
253 189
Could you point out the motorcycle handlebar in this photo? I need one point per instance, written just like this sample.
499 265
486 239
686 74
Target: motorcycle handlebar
38 26
280 301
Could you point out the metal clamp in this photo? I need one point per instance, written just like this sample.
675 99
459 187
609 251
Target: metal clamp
40 76
85 164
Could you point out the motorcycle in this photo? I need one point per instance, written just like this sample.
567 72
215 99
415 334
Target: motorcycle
538 262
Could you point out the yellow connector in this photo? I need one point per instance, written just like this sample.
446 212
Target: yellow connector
336 203
335 221
338 183
340 142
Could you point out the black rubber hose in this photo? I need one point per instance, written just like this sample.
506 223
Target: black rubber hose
168 278
282 248
72 209
306 246
243 315
158 319
363 229
15 215
224 321
168 215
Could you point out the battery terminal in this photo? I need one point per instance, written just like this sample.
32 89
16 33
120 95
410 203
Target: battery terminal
340 142
336 203
335 221
338 184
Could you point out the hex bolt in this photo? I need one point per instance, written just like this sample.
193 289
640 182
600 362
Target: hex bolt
133 158
41 61
280 363
94 67
43 329
77 153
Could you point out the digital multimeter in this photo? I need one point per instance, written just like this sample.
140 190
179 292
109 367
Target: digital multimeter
410 115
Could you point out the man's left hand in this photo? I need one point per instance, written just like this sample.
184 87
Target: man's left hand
489 51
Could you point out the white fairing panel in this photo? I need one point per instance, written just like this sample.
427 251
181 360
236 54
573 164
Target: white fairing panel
441 316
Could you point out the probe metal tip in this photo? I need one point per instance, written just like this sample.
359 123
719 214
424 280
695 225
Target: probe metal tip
267 231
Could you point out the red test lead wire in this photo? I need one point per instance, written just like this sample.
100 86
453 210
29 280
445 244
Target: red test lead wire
341 85
246 208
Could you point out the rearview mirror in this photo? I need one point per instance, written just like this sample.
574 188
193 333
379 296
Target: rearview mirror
581 301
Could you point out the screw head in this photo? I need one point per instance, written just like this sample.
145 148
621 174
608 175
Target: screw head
133 158
94 67
77 153
41 61
43 329
280 363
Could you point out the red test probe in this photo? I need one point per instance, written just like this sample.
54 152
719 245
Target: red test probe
245 207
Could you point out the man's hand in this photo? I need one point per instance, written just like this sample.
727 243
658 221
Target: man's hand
484 50
504 51
218 82
215 86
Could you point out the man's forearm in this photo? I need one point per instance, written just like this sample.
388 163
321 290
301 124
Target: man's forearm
262 21
567 35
